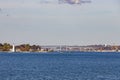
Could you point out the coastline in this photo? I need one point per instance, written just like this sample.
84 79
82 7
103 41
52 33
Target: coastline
27 48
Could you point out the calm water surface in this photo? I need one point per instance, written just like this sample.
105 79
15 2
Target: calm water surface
54 66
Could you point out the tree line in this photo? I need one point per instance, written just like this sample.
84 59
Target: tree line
22 47
5 47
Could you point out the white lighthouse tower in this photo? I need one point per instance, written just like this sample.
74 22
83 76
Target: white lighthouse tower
13 48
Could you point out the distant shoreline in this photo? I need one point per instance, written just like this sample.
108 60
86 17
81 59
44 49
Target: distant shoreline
69 52
26 48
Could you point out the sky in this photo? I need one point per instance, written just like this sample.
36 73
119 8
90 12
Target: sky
45 22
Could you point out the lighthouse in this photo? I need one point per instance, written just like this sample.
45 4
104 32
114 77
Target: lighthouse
13 48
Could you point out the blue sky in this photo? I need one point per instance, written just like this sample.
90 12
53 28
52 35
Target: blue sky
33 22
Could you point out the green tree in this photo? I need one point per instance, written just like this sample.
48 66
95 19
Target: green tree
6 47
27 47
1 46
35 48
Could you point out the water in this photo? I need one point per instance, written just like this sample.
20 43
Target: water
54 66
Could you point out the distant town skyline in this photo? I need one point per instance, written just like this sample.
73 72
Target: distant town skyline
34 22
